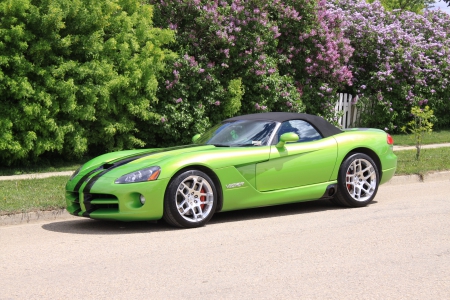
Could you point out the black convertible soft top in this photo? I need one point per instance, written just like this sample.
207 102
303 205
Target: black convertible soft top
325 128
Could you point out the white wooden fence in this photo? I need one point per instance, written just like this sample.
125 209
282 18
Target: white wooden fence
346 105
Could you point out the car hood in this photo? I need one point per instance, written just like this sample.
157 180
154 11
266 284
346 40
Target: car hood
116 164
143 158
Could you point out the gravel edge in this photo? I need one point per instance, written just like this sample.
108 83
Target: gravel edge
34 216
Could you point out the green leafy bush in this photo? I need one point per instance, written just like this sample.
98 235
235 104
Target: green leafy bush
77 75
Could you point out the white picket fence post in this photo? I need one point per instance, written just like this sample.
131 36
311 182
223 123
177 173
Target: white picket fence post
350 114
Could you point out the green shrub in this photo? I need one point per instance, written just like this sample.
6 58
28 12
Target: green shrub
76 75
422 123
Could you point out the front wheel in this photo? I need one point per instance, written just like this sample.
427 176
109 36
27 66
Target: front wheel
358 181
190 200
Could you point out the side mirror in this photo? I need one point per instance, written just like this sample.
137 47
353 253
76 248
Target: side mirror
195 137
287 138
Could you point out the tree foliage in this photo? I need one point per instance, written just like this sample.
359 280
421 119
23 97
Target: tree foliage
76 74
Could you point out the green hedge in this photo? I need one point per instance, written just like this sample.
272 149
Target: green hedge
76 74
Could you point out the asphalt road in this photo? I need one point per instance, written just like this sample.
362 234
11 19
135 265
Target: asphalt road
396 248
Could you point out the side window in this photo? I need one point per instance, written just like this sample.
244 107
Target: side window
303 129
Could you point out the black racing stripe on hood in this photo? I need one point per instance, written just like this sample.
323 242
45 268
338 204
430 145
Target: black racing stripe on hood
91 182
112 165
83 179
120 162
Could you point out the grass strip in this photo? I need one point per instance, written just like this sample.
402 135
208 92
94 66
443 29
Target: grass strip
435 137
437 159
17 196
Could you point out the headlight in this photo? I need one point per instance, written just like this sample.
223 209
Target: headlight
147 174
75 173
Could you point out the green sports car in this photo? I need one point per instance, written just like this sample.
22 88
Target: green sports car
246 161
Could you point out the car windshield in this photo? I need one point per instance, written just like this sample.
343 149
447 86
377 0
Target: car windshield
241 133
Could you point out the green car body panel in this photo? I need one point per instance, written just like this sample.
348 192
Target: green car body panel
245 177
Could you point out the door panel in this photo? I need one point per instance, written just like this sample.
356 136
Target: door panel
297 164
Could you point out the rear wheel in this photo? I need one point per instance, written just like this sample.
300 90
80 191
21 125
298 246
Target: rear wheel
190 200
358 181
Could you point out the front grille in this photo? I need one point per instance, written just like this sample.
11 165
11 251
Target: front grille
105 206
102 197
100 201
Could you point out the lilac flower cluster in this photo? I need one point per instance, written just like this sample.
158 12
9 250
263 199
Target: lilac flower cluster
282 51
401 59
294 55
334 49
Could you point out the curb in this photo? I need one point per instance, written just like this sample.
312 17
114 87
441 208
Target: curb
34 216
31 217
429 177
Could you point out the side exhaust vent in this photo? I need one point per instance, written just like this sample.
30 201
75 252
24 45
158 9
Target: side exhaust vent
330 191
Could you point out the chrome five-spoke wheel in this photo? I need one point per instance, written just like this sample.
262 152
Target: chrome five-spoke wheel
194 198
358 180
361 179
190 200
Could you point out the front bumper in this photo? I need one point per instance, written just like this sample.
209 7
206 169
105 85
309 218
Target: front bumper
106 200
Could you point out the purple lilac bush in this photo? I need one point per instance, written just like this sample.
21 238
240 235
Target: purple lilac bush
401 59
249 56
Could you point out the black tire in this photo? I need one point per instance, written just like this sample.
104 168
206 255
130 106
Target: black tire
358 181
335 201
190 200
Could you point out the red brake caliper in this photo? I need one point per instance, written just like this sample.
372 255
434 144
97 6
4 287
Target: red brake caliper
202 198
349 186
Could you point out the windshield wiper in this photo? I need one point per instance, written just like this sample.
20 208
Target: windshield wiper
234 145
244 145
